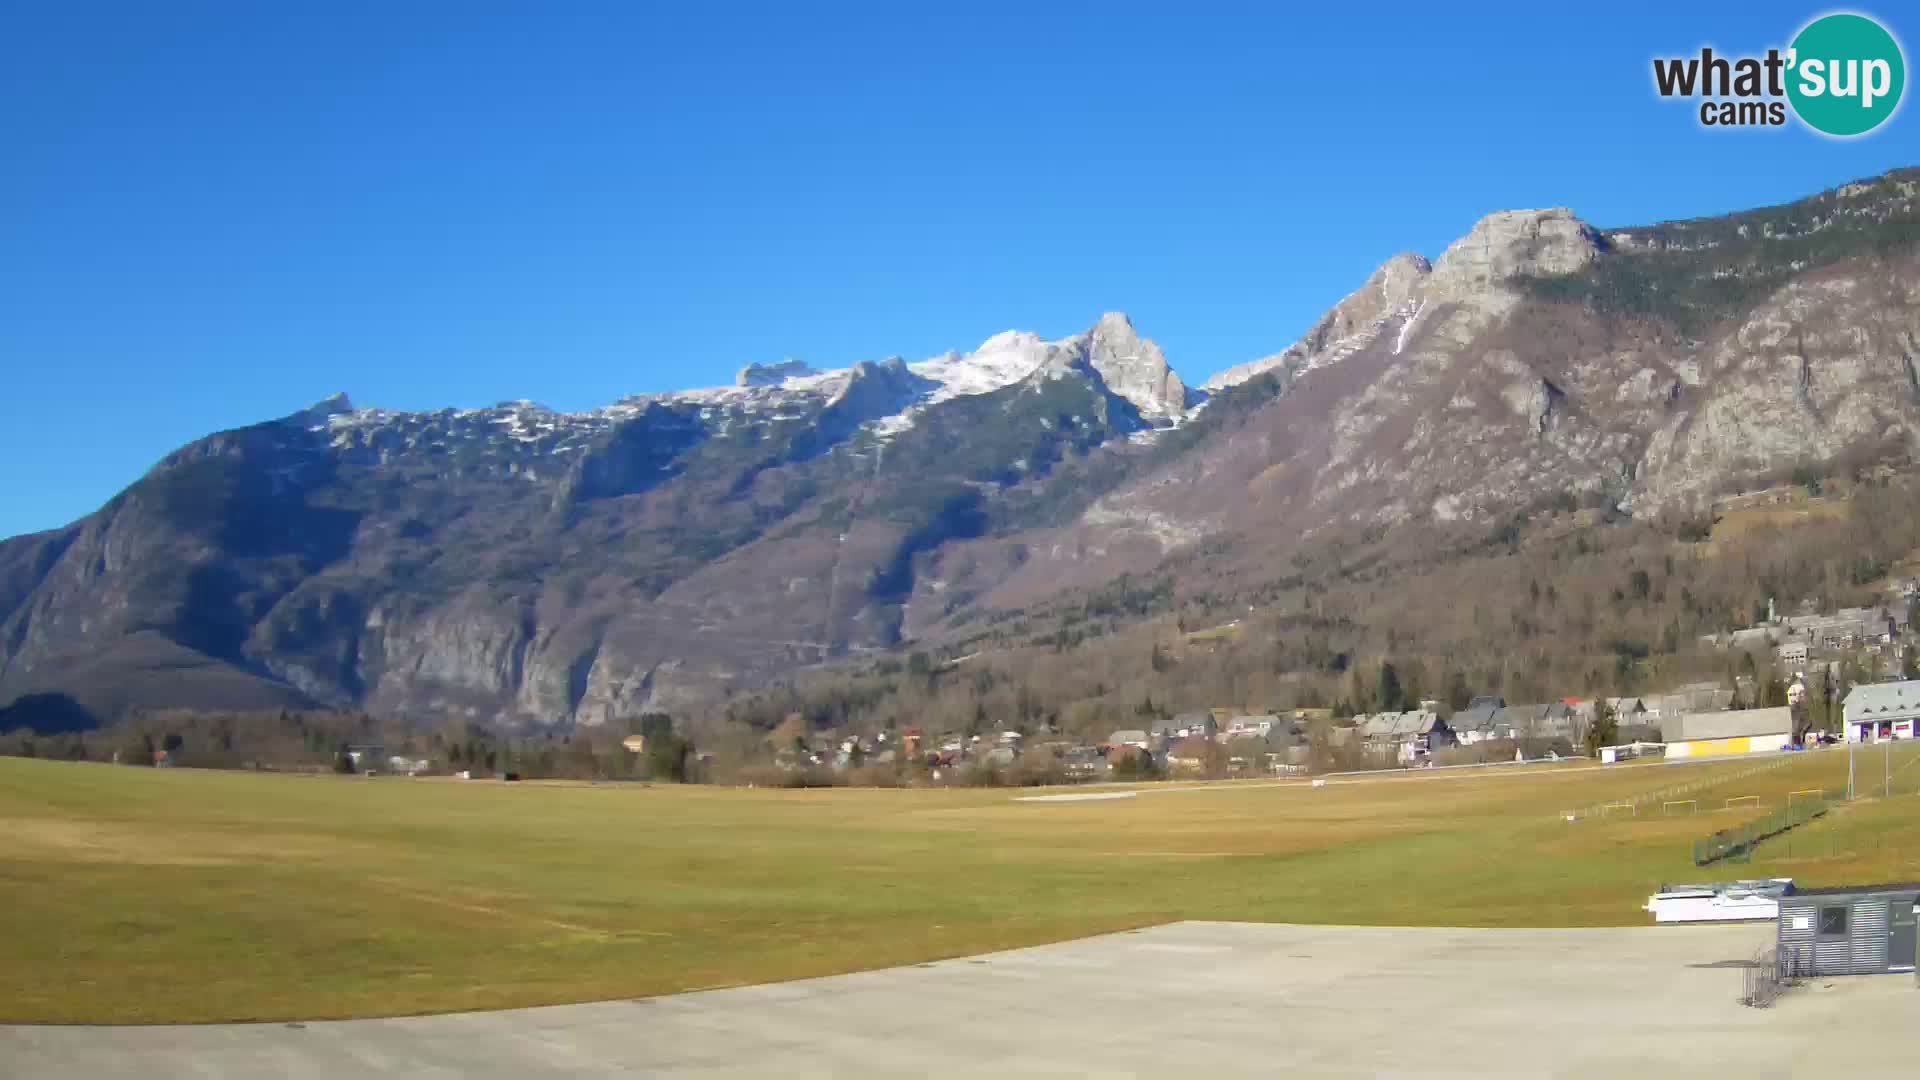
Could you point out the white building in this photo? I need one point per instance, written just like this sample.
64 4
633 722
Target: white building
1260 724
1882 711
1739 731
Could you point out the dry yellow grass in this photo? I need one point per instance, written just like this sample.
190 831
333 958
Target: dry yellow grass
137 895
1730 527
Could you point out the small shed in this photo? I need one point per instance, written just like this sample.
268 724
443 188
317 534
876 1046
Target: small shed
1852 930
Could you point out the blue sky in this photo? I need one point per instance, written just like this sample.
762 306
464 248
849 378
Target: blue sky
214 214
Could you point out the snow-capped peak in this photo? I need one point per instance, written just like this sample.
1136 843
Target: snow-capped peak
1130 365
1009 340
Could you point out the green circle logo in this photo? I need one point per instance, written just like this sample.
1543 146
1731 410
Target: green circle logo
1846 74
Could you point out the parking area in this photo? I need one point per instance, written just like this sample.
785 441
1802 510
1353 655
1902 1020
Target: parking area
1183 999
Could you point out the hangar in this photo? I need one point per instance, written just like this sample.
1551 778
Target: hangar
1736 731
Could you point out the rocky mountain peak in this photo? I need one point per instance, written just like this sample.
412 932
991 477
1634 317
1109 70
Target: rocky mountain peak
772 374
1134 367
873 391
318 413
1401 279
1474 269
1512 243
1394 289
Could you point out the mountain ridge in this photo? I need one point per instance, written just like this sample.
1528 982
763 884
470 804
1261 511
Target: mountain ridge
516 565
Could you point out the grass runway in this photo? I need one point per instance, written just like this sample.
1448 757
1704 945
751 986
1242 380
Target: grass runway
154 896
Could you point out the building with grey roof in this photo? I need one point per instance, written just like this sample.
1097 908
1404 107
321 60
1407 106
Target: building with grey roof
1186 724
1410 735
1736 731
1554 721
1475 723
1876 711
1257 724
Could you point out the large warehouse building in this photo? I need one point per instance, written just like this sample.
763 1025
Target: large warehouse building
1738 731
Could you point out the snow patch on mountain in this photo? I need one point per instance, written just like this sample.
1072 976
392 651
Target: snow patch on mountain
1132 367
1406 327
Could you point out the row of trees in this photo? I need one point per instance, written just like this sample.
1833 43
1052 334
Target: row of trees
316 741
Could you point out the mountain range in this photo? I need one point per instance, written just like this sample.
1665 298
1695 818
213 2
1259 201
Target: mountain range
524 567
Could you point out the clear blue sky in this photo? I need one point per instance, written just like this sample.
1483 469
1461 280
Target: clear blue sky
215 214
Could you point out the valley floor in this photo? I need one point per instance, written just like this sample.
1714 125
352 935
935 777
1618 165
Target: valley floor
1214 999
159 896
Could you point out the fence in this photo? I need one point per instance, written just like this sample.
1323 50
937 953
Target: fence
1763 978
1771 972
1736 845
1673 792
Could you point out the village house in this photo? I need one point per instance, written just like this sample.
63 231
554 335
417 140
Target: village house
1421 733
1554 721
1277 752
1880 711
1184 725
1627 710
1192 754
1374 730
1474 724
1687 698
1083 762
1408 736
1259 724
1843 629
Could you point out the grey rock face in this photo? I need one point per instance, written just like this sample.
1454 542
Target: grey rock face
1511 243
1391 292
1502 378
1134 367
1818 370
772 374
